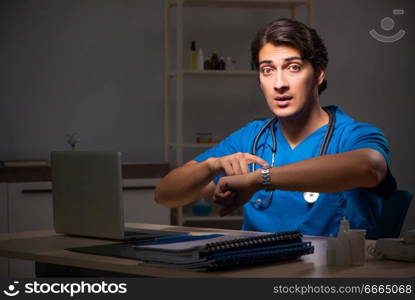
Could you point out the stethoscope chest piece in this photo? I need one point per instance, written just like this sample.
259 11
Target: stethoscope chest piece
263 201
310 197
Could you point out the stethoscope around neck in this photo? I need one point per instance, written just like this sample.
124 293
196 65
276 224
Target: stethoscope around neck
309 197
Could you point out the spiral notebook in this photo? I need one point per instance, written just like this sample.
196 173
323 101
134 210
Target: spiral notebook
225 251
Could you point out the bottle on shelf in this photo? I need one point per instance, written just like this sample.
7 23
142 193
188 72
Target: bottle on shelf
222 64
233 65
203 137
228 63
193 56
207 65
200 60
214 61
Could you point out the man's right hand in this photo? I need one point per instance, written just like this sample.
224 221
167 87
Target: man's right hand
234 164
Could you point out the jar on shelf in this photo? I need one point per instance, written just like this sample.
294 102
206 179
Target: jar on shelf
204 137
201 208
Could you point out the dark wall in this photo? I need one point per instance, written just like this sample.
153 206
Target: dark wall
96 68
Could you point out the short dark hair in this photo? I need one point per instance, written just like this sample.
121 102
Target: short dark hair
292 33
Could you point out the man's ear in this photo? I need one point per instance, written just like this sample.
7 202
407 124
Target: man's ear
320 75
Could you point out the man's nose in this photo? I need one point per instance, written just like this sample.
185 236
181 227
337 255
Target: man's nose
280 83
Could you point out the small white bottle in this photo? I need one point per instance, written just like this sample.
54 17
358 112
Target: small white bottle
331 250
193 56
228 63
200 60
343 252
344 224
357 246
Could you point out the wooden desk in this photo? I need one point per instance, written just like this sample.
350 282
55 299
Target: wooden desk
47 247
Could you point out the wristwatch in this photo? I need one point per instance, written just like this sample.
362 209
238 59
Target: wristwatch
266 178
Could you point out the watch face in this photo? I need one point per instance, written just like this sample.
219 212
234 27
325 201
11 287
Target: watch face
311 197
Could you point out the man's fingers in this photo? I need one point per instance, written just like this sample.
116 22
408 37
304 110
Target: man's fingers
225 199
255 159
238 163
243 163
228 168
223 195
236 166
223 187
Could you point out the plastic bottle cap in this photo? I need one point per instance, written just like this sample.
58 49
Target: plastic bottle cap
344 224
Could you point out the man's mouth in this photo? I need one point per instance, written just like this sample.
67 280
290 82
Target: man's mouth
283 98
283 101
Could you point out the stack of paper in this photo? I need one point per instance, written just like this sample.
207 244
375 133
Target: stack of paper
212 252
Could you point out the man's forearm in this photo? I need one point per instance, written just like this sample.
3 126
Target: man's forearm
331 173
184 184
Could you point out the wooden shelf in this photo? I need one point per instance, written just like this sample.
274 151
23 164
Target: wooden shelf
211 218
217 73
287 4
200 145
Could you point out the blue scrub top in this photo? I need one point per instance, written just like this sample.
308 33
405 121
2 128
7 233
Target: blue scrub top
288 209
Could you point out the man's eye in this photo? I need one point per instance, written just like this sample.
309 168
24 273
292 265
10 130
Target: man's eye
266 70
294 68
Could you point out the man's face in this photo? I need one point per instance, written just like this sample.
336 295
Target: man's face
289 83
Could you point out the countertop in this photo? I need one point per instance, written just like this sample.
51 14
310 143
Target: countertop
43 173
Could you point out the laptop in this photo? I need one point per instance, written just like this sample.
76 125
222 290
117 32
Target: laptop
87 197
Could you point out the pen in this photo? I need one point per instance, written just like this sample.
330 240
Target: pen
183 237
170 237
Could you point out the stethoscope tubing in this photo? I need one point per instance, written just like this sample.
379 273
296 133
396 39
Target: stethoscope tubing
271 123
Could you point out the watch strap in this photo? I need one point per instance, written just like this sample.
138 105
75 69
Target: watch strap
266 178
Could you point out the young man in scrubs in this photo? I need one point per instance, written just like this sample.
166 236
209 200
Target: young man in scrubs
295 188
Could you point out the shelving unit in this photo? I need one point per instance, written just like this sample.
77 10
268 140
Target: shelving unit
195 145
176 142
216 73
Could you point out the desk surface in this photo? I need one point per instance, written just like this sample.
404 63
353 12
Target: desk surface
48 247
